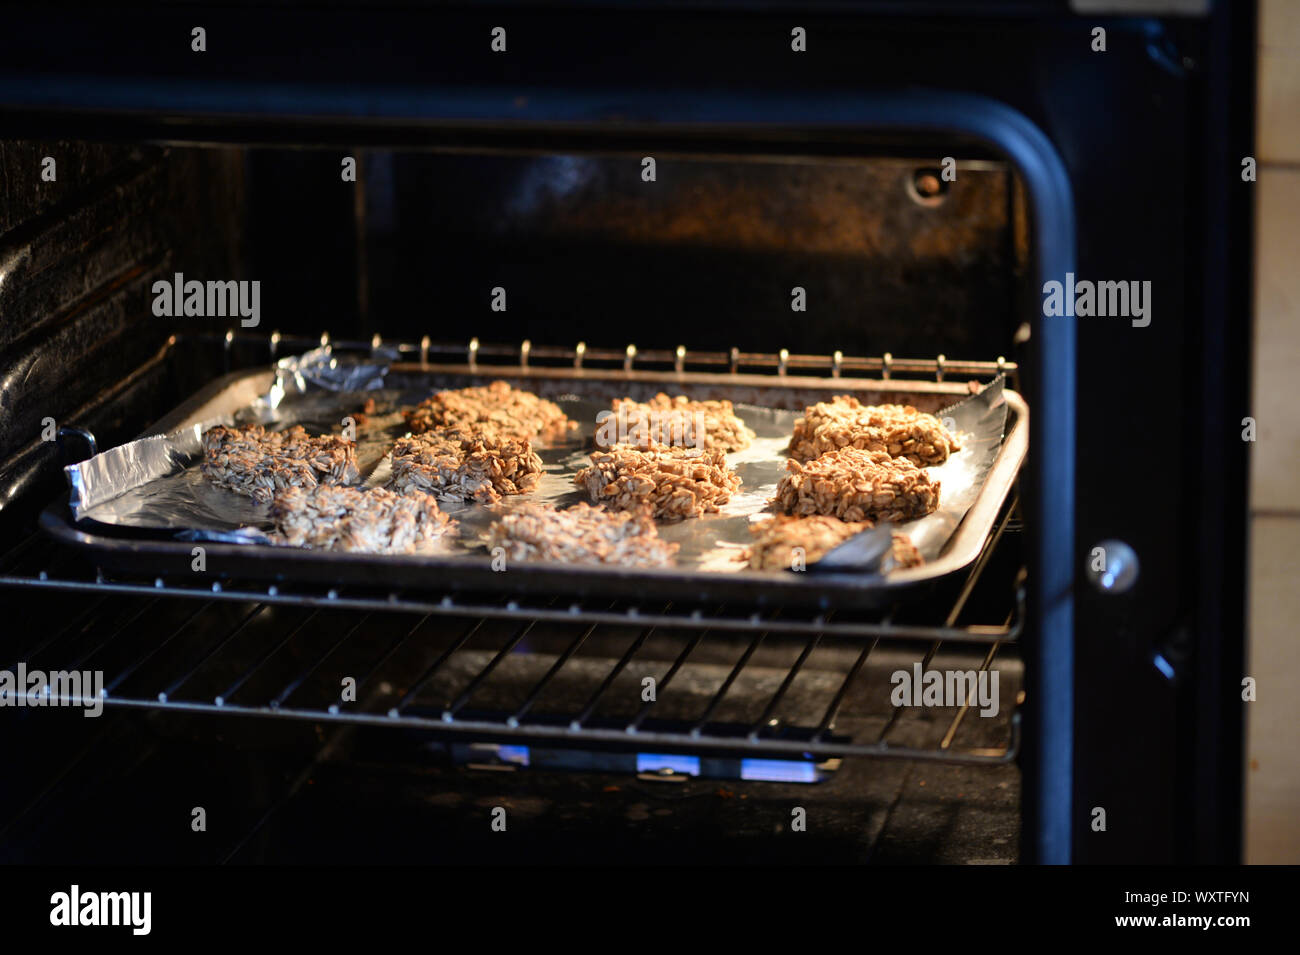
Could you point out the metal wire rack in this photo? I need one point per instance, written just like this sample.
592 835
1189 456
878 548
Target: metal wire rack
570 672
631 358
479 668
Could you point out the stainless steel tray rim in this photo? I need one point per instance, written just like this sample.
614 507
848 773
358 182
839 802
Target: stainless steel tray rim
825 589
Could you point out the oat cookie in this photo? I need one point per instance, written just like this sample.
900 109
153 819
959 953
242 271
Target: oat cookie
459 466
253 461
898 430
905 553
675 482
674 421
369 520
776 539
495 411
582 534
857 485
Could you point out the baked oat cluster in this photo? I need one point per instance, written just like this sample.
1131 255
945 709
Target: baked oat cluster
905 553
259 463
857 485
775 541
461 466
495 411
898 430
675 482
675 421
582 534
369 520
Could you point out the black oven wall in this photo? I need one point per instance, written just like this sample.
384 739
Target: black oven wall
708 255
85 231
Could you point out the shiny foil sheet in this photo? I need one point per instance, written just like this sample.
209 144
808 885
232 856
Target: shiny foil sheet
154 485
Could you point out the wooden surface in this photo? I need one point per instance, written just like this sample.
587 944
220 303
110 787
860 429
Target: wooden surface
1272 831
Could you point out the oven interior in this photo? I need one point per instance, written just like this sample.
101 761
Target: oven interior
467 699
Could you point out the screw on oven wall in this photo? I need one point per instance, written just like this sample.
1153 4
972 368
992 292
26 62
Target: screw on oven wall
1112 567
929 185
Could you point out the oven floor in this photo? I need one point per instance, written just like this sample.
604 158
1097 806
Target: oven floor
300 793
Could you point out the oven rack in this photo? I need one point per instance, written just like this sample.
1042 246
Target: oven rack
100 616
734 361
40 579
39 563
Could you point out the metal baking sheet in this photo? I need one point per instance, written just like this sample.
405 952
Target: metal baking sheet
179 503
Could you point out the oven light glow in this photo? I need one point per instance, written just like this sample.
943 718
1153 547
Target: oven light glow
1164 666
513 754
778 770
657 762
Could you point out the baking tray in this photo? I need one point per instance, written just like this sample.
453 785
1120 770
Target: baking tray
115 552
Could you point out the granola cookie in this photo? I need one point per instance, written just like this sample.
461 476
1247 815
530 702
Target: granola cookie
674 421
675 482
582 534
370 520
459 466
775 541
898 430
857 485
905 553
496 411
253 461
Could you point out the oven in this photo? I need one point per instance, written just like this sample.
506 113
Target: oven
724 200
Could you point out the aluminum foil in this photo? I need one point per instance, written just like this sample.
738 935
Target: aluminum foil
154 485
324 369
